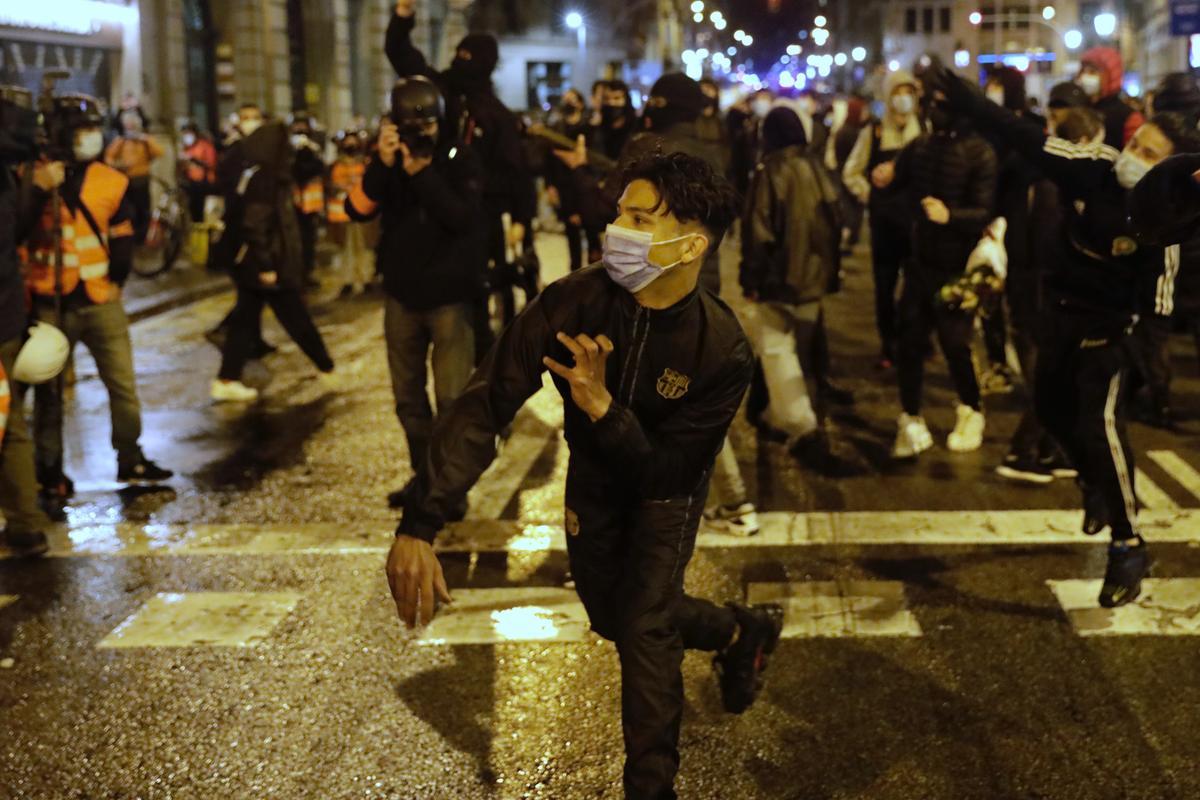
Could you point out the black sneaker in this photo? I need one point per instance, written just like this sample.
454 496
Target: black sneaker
1128 562
740 666
142 472
25 543
1095 512
1058 466
1024 469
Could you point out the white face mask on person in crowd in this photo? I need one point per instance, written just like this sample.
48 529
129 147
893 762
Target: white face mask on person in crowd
903 103
249 126
1090 83
88 144
1130 169
627 257
995 94
189 139
761 107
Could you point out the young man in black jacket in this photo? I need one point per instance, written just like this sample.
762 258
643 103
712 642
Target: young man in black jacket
433 256
651 369
1094 297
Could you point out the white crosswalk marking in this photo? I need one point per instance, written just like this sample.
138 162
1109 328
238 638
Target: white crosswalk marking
203 619
495 616
1178 469
839 609
1151 494
1167 607
7 599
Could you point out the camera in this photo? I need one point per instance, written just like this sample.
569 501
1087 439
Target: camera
416 107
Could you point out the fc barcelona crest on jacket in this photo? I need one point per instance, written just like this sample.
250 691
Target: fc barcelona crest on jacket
672 385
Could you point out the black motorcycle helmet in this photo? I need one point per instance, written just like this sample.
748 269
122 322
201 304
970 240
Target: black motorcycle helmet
67 114
416 99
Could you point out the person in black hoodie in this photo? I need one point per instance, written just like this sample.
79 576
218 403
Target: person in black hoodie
1094 296
25 524
950 178
433 256
651 369
268 265
482 121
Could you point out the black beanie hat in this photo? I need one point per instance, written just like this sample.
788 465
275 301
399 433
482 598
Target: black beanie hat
1013 81
681 93
782 128
1177 92
484 50
1068 95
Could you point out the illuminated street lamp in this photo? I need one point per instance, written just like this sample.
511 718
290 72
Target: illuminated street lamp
1105 24
859 53
793 49
962 58
574 20
1072 39
1048 13
840 59
893 65
698 7
697 17
975 18
820 21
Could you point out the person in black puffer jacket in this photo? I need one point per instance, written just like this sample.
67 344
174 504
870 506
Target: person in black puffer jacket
950 175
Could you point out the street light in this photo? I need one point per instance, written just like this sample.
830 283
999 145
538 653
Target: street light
698 7
975 18
1105 24
793 49
747 40
1048 13
893 65
962 58
1072 39
840 59
859 53
574 20
820 21
697 17
720 23
739 34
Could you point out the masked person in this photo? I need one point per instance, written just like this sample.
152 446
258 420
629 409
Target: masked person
96 229
868 175
651 371
25 524
133 152
426 186
354 262
268 266
949 175
746 138
1100 76
618 119
710 126
308 194
482 121
571 124
197 167
1094 296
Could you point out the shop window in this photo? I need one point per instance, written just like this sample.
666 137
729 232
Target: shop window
944 21
910 20
927 19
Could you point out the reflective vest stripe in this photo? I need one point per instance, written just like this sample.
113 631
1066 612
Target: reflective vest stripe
311 198
92 271
84 242
337 209
4 402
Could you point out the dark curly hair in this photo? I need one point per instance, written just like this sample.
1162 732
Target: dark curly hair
690 189
1178 129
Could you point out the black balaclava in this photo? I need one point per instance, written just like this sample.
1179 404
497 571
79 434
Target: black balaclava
782 128
674 99
485 54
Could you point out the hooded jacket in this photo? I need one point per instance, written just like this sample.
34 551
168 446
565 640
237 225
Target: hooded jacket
1121 120
677 376
494 131
884 135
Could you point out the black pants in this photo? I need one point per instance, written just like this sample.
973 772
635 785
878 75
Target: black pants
1023 291
245 329
1150 359
139 201
919 316
308 242
1080 398
890 247
628 563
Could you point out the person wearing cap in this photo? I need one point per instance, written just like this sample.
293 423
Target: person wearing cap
427 188
482 121
96 229
1063 98
25 523
1101 72
867 174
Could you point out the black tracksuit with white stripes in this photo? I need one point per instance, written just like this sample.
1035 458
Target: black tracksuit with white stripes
1102 280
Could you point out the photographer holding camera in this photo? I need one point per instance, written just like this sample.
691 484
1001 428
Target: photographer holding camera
433 255
82 293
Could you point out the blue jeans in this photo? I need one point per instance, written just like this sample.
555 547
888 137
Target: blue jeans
409 335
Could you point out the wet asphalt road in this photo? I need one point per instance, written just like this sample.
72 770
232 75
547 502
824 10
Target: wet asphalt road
974 680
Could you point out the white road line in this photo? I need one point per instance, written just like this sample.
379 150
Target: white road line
203 619
1151 494
1178 469
495 616
1167 607
839 609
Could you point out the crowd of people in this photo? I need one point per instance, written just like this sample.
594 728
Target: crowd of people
986 220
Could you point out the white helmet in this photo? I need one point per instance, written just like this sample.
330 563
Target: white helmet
42 356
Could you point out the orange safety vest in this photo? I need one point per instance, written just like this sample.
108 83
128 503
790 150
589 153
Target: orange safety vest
310 198
5 399
345 177
85 254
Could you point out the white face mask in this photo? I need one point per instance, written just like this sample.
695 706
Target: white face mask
761 107
249 126
1090 83
1130 169
995 94
903 103
88 145
189 139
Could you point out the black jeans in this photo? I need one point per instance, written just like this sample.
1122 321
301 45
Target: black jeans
890 247
628 560
1082 363
139 201
308 241
1030 440
245 329
919 316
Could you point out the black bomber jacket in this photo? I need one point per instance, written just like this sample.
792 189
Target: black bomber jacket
677 376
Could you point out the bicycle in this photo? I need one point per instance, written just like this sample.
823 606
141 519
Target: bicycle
166 231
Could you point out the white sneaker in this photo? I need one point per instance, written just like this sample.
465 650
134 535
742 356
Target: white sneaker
739 520
968 430
232 392
912 437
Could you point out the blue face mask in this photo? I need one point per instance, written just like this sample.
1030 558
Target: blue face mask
627 257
